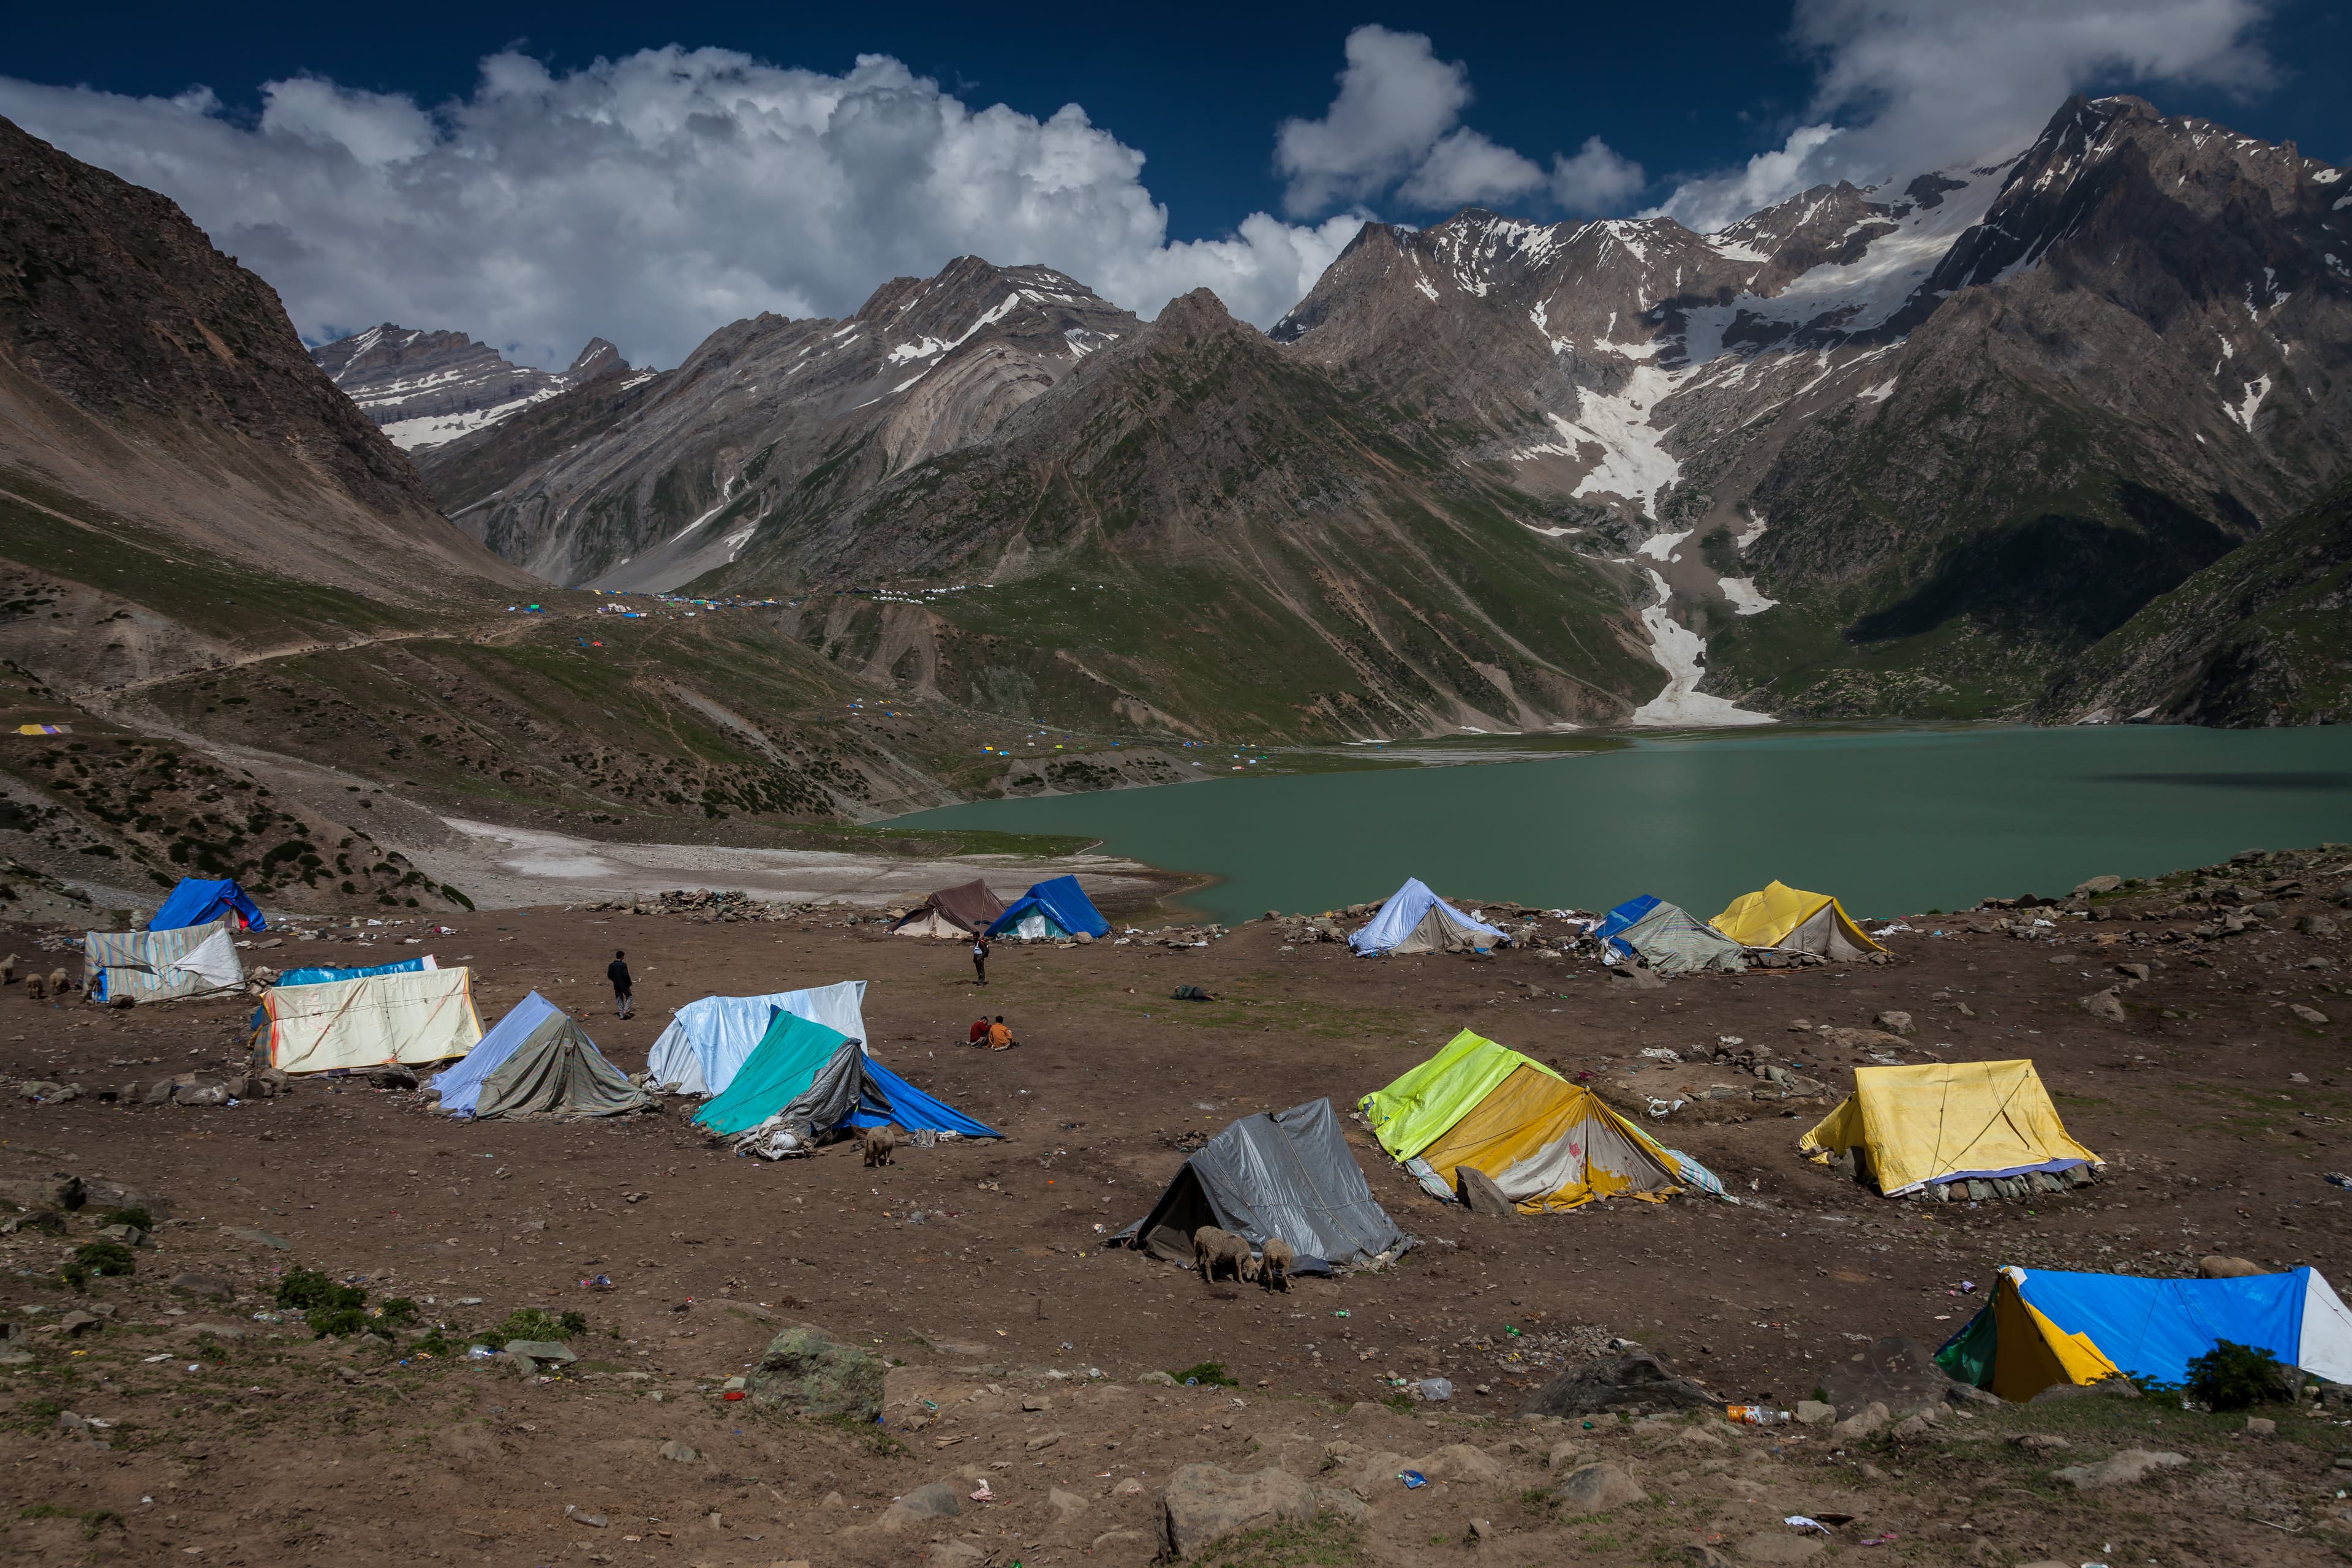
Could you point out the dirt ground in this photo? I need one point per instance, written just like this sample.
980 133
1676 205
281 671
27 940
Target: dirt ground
241 1440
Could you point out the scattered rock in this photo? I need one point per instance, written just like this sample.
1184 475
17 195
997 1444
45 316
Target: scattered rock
1066 1505
1482 1530
1897 1371
1480 1194
535 1350
1813 1413
1597 1488
1637 1380
2316 925
1164 1381
1568 1457
1338 1502
1895 1023
1046 1441
581 1516
2131 1466
1866 1422
684 1454
1128 1488
936 1500
2219 1266
2261 1426
2133 970
2040 1442
2097 885
1111 1538
953 1553
2308 1014
807 1371
77 1323
1205 1503
1461 1462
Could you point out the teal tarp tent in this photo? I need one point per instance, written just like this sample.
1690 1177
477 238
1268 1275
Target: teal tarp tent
779 1067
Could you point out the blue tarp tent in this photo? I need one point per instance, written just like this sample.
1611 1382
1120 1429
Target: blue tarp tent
1051 911
324 976
1624 915
2045 1326
708 1039
196 901
901 1103
461 1084
1415 920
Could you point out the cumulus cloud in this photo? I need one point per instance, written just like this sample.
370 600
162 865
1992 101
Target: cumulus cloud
1396 125
653 198
1907 86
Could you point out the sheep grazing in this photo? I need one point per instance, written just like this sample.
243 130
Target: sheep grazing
879 1143
8 969
1273 1267
1213 1249
60 983
36 987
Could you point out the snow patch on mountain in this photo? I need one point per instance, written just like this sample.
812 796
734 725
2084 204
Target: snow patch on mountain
1746 598
1681 654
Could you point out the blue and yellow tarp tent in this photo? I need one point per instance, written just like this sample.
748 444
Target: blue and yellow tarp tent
2047 1326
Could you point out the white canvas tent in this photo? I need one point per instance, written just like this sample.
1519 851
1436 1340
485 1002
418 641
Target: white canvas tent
1415 920
416 1016
160 966
708 1039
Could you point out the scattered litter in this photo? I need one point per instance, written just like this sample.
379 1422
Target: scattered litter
1341 1312
1413 1479
2336 1179
984 1494
1435 1388
1756 1415
597 1283
1799 1523
1660 1054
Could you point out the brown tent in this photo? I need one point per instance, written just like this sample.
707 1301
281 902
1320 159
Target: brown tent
952 913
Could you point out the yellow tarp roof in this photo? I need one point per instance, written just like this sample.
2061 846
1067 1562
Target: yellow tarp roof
2033 1353
1766 918
1550 1144
1946 1120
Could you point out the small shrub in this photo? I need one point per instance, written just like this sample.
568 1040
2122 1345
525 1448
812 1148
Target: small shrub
1206 1374
325 1321
304 1288
435 1344
138 1218
531 1323
75 1274
399 1312
103 1257
2231 1376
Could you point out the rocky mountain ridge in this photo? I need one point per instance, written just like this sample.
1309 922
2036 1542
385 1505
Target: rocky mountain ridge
424 388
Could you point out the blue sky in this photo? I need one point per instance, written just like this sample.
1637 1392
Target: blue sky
334 149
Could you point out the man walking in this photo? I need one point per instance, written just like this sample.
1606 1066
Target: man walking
980 958
618 971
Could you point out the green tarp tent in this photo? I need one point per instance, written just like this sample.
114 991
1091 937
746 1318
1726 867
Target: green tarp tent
557 1071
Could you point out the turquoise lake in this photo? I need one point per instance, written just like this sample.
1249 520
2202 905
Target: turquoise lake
1891 821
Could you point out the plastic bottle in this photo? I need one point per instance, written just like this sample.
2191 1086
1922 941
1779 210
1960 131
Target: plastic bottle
1755 1415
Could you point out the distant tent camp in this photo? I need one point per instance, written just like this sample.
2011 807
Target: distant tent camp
809 1080
536 1060
1668 938
324 976
952 913
1779 916
1546 1143
420 1017
2043 1326
197 902
1415 920
708 1039
160 966
1052 910
1286 1174
1917 1127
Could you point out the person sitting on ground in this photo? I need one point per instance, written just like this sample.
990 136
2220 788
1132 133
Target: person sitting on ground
978 1036
1000 1037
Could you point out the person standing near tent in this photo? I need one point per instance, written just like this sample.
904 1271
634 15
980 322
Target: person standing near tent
618 971
980 957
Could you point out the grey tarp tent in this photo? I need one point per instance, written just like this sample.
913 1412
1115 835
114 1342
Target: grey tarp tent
1287 1174
952 913
1672 941
557 1071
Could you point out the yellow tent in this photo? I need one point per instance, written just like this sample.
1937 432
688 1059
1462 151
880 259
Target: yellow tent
1781 916
418 1016
1546 1143
1923 1126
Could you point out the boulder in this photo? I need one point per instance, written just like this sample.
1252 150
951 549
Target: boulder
1204 1504
1066 1506
936 1501
2126 1468
2308 1014
1336 1502
2217 1266
2316 925
1568 1457
1637 1380
1866 1422
1895 1023
2133 970
2097 885
1897 1371
1863 1040
1461 1462
1813 1413
1597 1488
682 1453
1480 1194
2107 1004
807 1371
